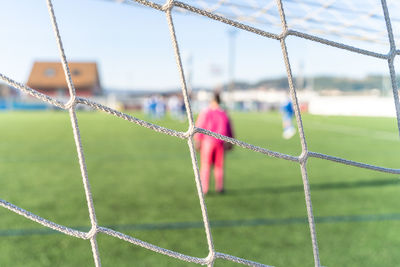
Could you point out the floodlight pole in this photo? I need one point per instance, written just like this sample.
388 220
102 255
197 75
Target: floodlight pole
300 77
232 37
189 76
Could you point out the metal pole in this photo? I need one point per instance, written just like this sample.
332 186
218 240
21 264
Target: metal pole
232 35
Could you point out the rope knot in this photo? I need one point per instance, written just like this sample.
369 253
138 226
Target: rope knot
93 232
303 157
392 53
169 4
191 131
211 258
71 102
284 34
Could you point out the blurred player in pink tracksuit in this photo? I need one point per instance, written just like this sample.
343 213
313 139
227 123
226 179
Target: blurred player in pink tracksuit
214 119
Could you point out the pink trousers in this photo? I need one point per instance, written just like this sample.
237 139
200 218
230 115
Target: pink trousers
212 153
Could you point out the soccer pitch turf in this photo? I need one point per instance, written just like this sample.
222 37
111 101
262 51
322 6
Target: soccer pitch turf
143 185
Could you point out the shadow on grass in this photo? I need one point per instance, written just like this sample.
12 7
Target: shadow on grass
246 222
314 187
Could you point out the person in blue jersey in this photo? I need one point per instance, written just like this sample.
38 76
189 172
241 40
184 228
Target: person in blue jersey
287 119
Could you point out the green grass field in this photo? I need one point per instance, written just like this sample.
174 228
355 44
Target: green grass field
143 185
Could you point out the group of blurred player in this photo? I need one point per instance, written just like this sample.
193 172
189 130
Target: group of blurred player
156 107
287 119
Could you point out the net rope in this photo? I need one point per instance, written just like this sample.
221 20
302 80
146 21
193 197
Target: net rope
334 18
188 135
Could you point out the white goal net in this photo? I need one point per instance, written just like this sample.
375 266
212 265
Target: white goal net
231 13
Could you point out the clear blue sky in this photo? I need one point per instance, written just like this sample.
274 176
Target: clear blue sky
133 48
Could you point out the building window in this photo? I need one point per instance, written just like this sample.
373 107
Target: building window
50 72
76 72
